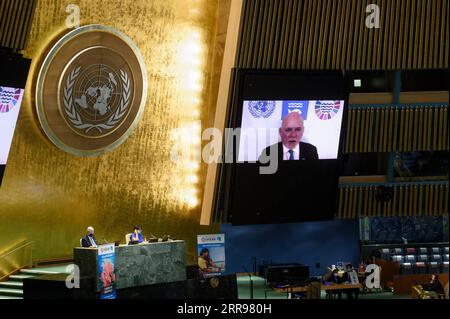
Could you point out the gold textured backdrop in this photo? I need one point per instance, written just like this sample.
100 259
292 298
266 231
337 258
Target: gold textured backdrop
49 197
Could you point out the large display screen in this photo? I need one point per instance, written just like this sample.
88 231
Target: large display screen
311 129
10 101
13 77
288 160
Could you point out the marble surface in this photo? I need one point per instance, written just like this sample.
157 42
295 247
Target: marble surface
139 265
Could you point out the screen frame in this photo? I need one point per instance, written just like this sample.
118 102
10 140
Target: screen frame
227 172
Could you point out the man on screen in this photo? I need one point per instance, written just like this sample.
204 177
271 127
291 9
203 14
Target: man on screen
291 148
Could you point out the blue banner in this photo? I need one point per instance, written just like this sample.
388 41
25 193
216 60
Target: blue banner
295 106
106 271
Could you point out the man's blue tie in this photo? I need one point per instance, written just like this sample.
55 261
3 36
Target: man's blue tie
291 155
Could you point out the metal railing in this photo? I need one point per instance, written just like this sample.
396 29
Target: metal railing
15 259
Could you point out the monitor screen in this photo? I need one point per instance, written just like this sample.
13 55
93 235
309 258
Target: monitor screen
10 101
288 134
318 126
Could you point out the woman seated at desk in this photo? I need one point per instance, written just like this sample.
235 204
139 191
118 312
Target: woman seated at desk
136 236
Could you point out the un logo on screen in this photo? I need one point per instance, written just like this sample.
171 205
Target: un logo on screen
262 109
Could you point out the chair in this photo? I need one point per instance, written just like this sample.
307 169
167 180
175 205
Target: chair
128 238
423 251
410 251
421 264
417 292
385 254
445 264
314 290
435 251
445 250
397 251
434 266
397 258
408 264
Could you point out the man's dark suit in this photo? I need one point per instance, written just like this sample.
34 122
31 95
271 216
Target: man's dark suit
85 242
307 151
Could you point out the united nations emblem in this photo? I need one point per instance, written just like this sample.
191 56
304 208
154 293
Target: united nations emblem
91 90
262 109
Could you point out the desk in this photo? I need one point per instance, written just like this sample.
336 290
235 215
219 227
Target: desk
139 265
341 287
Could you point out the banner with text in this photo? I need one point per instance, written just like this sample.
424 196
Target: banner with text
211 255
106 271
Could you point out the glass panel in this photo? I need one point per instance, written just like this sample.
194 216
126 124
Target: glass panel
421 165
390 230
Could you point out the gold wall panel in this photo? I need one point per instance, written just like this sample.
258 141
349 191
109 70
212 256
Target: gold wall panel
49 197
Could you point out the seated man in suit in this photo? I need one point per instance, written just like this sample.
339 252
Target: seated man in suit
89 239
291 148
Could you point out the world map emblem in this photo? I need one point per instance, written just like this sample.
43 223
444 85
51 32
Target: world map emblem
8 98
260 109
96 99
326 110
91 90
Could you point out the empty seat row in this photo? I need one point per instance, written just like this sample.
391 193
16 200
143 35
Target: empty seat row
422 258
386 253
422 263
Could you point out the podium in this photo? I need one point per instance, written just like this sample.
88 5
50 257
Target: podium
138 265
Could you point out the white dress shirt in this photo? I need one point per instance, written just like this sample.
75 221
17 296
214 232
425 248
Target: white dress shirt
287 155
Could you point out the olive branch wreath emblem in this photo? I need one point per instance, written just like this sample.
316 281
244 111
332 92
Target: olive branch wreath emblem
74 116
